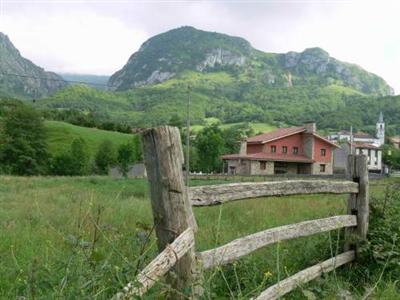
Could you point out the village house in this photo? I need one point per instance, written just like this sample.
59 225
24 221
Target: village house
362 137
373 153
360 144
294 150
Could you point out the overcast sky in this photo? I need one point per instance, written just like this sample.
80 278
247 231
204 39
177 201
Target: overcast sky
97 37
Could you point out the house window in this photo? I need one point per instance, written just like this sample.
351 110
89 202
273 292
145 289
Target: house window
323 152
273 149
295 150
376 158
284 149
263 165
322 168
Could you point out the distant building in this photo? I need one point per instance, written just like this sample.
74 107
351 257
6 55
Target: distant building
294 150
373 153
363 143
362 137
135 171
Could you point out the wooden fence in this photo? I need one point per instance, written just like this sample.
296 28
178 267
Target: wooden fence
175 224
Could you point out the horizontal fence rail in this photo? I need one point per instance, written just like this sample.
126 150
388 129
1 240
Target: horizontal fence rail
292 282
218 194
172 206
245 245
158 267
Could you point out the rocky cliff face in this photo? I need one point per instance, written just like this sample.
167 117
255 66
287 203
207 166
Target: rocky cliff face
315 62
31 81
169 54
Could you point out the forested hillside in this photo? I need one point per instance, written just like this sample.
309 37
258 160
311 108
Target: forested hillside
223 96
227 79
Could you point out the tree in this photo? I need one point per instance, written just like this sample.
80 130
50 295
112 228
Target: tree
210 146
23 147
391 156
74 161
176 121
137 149
80 157
126 156
105 157
62 164
233 136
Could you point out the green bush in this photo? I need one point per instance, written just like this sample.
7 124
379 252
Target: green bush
105 157
382 251
23 147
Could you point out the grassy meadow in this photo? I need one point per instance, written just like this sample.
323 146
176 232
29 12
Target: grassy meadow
85 238
60 136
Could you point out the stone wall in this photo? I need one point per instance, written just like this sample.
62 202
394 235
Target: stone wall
255 168
315 169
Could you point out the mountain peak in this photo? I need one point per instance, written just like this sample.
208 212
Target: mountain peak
183 49
175 51
14 70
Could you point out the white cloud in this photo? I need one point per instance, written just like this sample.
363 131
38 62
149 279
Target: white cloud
82 42
99 36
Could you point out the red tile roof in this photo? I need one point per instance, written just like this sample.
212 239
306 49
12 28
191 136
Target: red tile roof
325 140
281 133
270 157
273 135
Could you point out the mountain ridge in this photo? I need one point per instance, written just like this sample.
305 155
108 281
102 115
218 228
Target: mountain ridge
21 78
166 55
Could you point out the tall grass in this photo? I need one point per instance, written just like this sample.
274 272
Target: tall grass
86 237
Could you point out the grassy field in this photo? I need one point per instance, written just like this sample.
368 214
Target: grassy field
84 238
61 135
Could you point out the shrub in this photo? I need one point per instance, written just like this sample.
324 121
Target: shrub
105 157
383 247
23 148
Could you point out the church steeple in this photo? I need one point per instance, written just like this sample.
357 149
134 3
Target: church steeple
380 130
380 117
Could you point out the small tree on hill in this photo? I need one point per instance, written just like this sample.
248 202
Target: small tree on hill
137 149
210 146
23 147
62 164
126 156
72 162
80 157
105 157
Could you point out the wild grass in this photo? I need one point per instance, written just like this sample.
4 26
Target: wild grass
85 238
60 136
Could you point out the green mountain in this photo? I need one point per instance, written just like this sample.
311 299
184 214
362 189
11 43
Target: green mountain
21 78
172 53
96 81
245 86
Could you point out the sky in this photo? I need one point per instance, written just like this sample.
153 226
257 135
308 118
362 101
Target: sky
97 37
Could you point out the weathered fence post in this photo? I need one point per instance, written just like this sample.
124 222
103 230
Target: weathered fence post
358 204
172 210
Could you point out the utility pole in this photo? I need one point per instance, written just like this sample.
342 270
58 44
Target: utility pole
188 137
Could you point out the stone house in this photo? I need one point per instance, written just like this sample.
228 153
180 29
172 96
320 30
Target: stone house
294 150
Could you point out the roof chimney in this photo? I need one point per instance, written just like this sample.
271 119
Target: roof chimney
310 126
243 147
